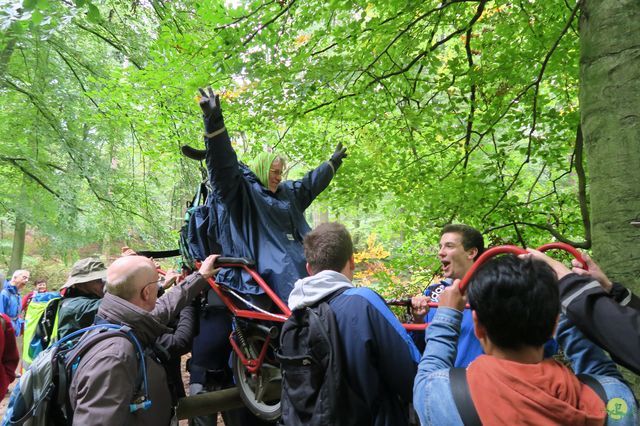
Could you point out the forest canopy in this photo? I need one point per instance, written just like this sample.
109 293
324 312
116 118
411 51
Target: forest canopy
454 111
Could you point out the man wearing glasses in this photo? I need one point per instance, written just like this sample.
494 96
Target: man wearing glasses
10 298
105 383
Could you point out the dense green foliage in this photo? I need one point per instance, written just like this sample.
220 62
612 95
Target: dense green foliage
461 111
453 111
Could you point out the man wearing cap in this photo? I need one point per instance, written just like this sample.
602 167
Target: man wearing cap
81 295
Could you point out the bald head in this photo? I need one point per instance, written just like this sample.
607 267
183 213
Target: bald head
129 278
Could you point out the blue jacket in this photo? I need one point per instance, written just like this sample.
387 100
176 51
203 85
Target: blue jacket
255 223
380 358
10 306
432 397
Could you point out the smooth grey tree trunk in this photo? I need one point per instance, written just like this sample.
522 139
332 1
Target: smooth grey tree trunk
610 119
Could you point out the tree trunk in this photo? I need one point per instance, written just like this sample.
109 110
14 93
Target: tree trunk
17 250
610 119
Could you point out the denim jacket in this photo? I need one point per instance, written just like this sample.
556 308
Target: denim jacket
432 397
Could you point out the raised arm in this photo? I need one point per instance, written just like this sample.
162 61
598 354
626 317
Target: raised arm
617 291
222 161
178 297
613 326
315 181
585 356
591 308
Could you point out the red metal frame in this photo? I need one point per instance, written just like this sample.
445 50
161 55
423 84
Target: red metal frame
253 365
246 313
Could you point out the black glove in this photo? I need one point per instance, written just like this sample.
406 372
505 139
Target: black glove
211 111
338 155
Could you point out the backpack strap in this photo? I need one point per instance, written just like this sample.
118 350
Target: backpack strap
462 397
595 386
67 365
142 385
328 298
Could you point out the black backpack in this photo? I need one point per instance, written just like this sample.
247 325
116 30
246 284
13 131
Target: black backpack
314 387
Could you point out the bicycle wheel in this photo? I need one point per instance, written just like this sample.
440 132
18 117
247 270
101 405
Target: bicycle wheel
260 391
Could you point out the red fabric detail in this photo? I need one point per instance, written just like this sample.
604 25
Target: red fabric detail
547 393
10 357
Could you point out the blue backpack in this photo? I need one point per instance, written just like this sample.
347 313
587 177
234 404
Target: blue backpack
41 397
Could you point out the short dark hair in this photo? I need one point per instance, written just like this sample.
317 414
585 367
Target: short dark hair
471 237
516 300
328 247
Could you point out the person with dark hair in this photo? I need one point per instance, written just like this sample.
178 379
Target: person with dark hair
262 216
515 305
40 287
460 246
379 356
605 311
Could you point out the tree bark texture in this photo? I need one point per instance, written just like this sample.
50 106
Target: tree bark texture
17 250
610 119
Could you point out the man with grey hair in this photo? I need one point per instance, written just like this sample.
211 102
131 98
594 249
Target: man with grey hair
10 298
105 382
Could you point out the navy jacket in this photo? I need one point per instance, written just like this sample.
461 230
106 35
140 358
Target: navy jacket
255 223
380 358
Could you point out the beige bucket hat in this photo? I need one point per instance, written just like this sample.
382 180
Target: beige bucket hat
86 270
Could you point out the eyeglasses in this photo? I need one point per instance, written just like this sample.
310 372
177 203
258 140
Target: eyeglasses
159 282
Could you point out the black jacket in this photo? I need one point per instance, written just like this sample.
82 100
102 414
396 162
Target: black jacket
610 320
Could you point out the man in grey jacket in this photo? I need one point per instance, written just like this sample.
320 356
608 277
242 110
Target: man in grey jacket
105 381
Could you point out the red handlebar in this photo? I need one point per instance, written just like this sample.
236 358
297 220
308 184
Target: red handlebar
517 251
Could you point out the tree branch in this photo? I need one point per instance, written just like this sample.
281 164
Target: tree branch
472 100
269 22
324 104
554 232
110 43
582 185
433 47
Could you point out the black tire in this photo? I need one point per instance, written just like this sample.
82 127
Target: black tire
254 387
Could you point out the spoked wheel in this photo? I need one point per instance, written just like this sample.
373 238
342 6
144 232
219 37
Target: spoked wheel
260 391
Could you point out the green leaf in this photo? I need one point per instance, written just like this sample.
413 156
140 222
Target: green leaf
94 13
36 17
29 4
